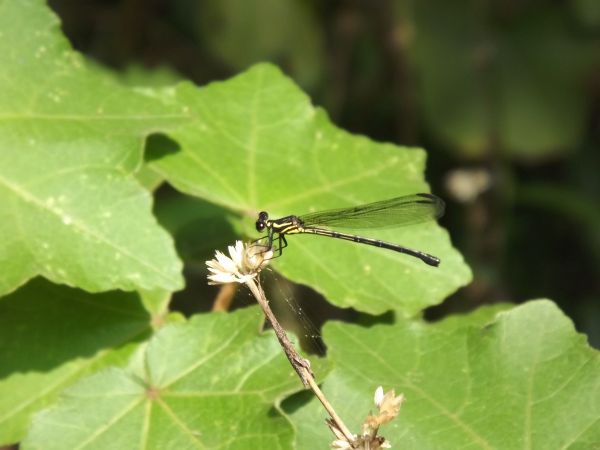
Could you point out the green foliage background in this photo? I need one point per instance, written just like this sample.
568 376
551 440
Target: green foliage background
117 183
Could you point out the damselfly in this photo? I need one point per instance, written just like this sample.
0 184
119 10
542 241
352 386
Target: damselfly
395 212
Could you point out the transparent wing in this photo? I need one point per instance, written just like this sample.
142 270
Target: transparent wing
399 211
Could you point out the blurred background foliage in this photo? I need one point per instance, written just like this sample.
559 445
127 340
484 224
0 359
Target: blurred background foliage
503 94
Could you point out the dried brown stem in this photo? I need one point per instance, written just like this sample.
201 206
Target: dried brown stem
224 297
300 365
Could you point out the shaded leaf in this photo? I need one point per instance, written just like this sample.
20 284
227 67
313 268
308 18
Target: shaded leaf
235 31
587 12
485 78
52 335
197 226
208 383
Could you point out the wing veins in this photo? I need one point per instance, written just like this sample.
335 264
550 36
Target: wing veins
399 211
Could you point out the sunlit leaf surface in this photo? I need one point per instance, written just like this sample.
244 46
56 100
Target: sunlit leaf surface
209 383
70 139
521 379
258 144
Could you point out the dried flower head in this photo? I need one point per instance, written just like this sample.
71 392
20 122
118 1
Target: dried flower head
244 262
389 406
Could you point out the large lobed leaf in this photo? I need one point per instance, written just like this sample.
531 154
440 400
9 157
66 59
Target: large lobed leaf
70 139
50 336
521 379
209 383
258 144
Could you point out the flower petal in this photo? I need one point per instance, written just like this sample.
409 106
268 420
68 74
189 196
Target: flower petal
378 396
243 264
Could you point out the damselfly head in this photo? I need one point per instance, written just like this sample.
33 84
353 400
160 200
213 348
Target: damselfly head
261 223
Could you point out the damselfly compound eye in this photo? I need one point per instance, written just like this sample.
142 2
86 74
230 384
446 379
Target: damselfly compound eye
261 223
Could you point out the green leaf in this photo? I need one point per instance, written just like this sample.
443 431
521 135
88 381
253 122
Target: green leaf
524 379
70 140
485 79
139 75
197 226
587 12
50 336
209 383
235 31
258 144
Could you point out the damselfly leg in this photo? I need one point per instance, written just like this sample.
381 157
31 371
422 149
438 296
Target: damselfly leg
273 243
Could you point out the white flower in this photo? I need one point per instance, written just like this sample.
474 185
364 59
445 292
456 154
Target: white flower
378 396
243 264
